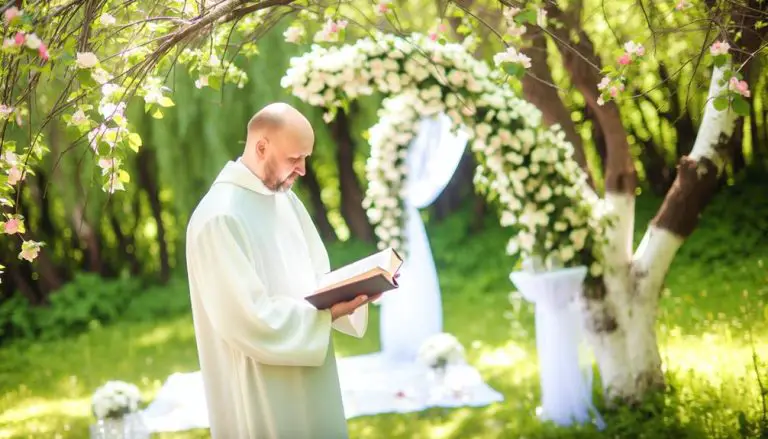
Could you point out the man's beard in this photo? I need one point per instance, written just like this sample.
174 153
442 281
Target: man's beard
273 183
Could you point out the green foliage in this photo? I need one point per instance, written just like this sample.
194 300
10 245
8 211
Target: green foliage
90 301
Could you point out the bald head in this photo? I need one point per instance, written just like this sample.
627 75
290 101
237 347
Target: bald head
279 140
278 117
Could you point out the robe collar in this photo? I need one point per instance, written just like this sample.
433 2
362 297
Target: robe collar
235 172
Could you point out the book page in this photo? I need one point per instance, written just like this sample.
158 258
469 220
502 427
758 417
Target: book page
380 260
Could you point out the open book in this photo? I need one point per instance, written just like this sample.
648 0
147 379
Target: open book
370 276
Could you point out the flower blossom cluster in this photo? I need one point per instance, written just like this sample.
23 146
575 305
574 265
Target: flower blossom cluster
610 86
515 30
22 39
528 169
115 399
441 350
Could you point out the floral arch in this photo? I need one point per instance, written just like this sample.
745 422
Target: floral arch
526 169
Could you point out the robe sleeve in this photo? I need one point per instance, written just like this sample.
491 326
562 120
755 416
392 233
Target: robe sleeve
274 330
354 325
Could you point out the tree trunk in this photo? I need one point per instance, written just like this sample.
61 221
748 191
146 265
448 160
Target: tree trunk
125 243
88 240
598 138
351 192
626 345
320 212
539 90
147 171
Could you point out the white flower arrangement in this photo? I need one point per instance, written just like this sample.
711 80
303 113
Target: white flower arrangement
441 350
115 399
526 169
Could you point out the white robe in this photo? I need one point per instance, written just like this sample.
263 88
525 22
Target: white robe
266 355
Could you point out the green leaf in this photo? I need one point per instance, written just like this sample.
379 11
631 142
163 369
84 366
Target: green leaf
457 12
157 114
526 17
514 69
464 29
84 77
720 103
720 60
214 81
123 176
165 101
740 105
134 141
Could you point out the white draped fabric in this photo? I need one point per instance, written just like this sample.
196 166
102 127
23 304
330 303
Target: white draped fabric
565 371
415 312
390 381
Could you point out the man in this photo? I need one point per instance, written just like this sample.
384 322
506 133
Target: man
253 254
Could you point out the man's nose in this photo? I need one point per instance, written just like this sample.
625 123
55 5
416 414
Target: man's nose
301 169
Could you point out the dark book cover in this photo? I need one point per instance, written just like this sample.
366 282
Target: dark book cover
369 286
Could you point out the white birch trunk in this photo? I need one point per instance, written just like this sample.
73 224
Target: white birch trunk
628 354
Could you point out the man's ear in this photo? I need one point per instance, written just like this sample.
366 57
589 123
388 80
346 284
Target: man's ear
261 147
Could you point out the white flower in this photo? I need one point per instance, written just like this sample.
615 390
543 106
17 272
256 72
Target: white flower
107 20
293 34
508 219
33 42
578 237
441 350
567 253
513 56
78 118
512 247
115 399
86 60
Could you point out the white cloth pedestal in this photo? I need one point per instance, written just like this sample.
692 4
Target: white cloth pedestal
566 379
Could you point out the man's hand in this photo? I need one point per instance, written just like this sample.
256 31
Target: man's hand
342 309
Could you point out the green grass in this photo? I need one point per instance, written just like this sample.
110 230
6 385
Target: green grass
713 301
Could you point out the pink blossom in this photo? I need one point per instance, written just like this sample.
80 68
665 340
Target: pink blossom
625 59
43 52
740 87
433 36
29 250
5 110
12 226
682 4
14 175
19 38
719 48
633 48
107 163
11 13
614 91
383 7
604 83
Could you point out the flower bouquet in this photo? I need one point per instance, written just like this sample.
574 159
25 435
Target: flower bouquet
440 351
115 405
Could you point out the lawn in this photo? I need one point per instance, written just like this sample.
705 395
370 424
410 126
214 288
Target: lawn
711 308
